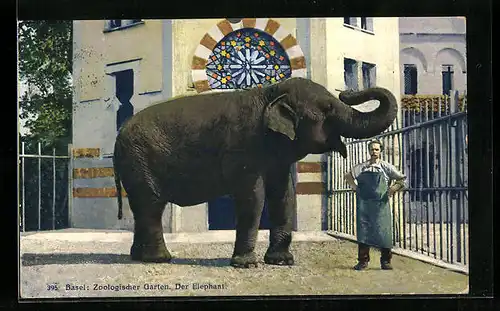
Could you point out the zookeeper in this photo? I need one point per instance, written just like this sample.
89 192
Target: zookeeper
372 182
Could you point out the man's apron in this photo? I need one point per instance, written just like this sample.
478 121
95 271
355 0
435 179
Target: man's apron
373 214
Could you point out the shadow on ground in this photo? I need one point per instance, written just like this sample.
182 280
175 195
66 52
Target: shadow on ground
34 259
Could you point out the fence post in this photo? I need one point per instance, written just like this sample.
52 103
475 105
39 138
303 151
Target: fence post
39 185
70 184
23 194
329 188
53 188
456 171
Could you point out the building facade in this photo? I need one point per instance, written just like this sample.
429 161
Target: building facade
123 66
433 55
433 64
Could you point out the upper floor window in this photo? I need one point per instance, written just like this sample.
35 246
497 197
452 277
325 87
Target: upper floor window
369 75
350 21
351 74
367 23
364 23
116 24
410 79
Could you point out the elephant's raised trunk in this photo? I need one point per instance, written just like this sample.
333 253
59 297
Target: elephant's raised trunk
356 124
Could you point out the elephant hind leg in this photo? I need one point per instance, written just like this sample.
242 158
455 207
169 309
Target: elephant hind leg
149 244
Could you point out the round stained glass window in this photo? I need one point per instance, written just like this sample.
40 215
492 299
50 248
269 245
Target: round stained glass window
247 58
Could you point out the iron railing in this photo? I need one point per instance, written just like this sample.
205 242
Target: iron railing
45 190
430 216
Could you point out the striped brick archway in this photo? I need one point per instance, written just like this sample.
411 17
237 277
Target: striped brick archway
224 27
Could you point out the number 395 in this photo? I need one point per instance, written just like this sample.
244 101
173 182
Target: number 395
52 287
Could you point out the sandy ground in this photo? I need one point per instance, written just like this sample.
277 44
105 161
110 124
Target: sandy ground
98 265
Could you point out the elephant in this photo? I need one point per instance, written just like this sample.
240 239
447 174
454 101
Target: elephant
243 143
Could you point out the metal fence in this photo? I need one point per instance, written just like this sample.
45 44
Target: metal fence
44 189
430 216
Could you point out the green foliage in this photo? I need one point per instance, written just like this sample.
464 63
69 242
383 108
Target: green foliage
45 64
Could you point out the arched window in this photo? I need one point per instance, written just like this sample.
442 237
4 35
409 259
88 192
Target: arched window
246 58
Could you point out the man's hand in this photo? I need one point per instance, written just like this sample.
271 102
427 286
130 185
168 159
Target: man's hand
350 180
395 188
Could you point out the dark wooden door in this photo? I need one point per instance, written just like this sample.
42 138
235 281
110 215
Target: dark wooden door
221 215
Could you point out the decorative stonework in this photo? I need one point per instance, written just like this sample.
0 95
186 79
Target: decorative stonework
93 172
252 52
109 192
86 152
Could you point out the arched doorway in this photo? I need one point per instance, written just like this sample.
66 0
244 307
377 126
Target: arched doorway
244 54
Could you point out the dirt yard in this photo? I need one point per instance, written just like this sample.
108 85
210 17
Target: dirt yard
96 269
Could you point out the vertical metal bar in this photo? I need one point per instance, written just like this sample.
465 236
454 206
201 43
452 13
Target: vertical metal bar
334 193
461 153
417 191
404 147
434 192
23 191
336 181
459 205
440 180
330 191
340 168
348 211
446 184
342 205
465 184
421 181
345 194
434 183
427 181
411 203
392 159
354 197
348 202
397 204
358 159
53 188
345 197
450 245
456 180
354 200
405 194
39 185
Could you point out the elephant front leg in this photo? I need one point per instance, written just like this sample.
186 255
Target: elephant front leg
281 207
249 203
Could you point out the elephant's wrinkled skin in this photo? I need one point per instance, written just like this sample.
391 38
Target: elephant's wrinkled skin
193 149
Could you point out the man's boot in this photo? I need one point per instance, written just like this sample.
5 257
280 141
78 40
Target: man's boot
363 257
385 259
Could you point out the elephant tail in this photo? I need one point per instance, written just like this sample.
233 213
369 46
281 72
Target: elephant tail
118 190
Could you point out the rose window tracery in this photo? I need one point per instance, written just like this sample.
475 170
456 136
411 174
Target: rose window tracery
247 58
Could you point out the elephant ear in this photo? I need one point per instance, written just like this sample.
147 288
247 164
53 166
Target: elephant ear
280 117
